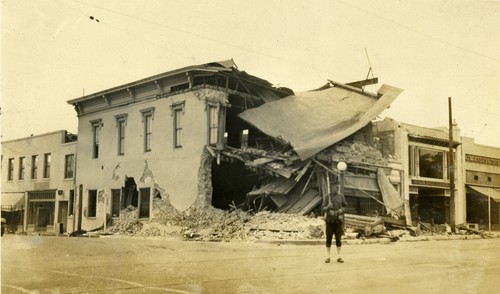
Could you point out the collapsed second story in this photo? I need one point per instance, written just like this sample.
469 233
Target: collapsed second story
152 133
163 112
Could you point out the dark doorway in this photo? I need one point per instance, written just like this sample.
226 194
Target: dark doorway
42 218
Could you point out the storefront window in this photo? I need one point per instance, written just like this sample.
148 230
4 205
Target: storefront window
431 163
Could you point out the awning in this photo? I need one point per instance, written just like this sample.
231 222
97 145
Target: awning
312 121
12 201
487 191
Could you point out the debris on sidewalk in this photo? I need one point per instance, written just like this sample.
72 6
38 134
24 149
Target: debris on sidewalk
465 228
212 224
366 225
128 223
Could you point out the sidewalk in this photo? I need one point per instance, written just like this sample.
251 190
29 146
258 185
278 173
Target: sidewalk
345 241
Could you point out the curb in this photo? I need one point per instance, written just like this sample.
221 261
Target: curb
376 240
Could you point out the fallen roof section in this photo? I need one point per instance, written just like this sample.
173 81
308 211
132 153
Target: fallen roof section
312 121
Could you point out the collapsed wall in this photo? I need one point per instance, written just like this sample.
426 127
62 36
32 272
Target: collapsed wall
204 197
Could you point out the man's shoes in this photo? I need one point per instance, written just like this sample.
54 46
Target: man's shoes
327 260
340 260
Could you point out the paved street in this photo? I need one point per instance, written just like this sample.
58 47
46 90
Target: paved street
44 264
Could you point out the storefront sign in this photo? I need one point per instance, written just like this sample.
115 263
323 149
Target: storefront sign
430 183
482 159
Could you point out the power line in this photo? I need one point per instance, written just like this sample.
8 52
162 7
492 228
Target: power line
203 37
419 32
92 18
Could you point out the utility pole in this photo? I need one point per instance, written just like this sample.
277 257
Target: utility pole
451 168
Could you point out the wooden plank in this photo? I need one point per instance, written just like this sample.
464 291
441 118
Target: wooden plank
362 83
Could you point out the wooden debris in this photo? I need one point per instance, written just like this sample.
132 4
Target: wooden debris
365 224
474 231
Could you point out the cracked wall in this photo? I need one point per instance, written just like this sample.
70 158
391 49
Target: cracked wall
173 171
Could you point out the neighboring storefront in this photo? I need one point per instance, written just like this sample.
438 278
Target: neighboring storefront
424 153
38 182
482 181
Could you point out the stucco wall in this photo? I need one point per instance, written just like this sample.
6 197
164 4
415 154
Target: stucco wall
173 169
52 143
37 145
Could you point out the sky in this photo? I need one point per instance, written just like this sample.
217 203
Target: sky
58 50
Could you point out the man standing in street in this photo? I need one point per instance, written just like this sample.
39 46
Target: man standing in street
334 206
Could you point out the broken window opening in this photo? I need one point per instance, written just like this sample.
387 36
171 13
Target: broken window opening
240 134
130 193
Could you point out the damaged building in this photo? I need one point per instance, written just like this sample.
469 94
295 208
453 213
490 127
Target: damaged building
424 153
146 140
214 135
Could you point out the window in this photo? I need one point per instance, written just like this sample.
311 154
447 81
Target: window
46 165
21 168
411 160
476 178
148 132
213 124
431 163
69 166
489 179
147 119
92 203
121 121
115 202
34 166
96 130
244 138
178 127
11 169
71 202
144 202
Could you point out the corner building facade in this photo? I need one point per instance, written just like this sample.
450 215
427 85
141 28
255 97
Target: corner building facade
146 140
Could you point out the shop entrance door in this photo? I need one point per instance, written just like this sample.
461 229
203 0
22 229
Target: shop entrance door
63 216
42 218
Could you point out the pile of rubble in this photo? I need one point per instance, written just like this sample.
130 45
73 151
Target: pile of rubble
212 224
128 223
354 152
